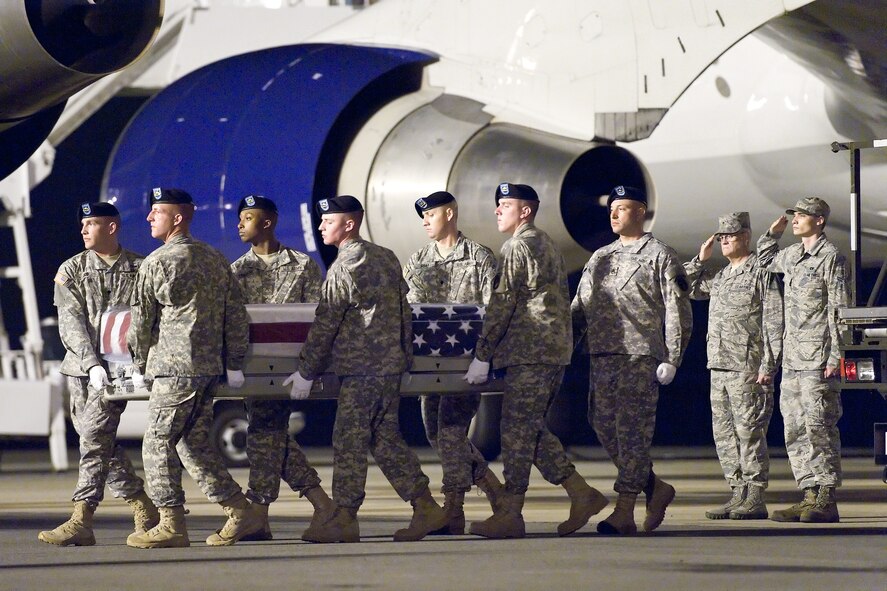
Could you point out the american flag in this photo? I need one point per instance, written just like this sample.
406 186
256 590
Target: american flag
279 330
446 330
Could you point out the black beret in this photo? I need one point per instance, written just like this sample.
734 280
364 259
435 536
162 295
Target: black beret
257 202
622 192
340 204
434 200
97 210
511 191
170 196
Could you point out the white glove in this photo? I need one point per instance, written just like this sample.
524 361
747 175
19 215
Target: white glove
235 378
98 377
138 380
665 373
301 387
478 372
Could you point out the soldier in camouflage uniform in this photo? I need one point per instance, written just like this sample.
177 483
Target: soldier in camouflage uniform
363 330
744 349
187 311
527 334
632 304
86 285
810 402
452 269
270 273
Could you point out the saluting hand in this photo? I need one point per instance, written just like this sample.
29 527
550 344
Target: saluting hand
778 226
705 249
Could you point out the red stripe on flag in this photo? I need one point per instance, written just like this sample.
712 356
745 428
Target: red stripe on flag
279 332
124 330
106 333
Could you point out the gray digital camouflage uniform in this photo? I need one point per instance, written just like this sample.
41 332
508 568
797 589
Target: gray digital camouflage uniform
187 313
464 276
744 340
815 287
85 287
362 330
633 308
292 277
527 332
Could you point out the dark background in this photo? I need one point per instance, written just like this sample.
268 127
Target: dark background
684 417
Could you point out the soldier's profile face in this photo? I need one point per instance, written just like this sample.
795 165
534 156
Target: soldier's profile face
508 215
333 228
251 225
162 220
434 221
804 225
95 232
627 217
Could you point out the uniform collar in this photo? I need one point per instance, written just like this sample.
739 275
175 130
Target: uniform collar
636 246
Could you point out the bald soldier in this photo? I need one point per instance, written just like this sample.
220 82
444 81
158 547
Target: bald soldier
744 350
527 334
810 398
88 284
632 306
455 270
187 312
271 273
363 331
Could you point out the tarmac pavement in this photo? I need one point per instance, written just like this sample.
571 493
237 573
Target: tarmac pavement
687 552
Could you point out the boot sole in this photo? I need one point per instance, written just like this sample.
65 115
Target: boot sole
168 544
650 525
490 536
785 519
257 537
66 543
709 515
609 530
744 516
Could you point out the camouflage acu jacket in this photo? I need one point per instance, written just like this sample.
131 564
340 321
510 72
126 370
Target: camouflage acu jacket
363 323
815 287
292 277
632 300
528 317
187 312
465 276
85 287
744 316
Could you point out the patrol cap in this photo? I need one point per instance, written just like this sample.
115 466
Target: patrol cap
623 192
434 200
811 206
733 223
340 204
171 196
100 209
512 191
257 202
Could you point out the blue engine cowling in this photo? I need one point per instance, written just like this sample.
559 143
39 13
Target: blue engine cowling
275 122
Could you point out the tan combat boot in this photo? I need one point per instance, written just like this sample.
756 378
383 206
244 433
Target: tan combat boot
265 533
455 512
243 520
794 512
585 501
507 522
658 500
621 521
171 532
341 527
490 486
824 510
723 512
323 509
76 531
753 507
428 516
144 514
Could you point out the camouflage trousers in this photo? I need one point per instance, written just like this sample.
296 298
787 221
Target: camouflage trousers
811 407
367 421
180 413
273 453
740 413
102 461
446 420
526 440
622 405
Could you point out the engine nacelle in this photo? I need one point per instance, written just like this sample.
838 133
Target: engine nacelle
51 49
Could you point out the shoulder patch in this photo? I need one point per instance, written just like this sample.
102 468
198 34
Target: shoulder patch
61 279
681 281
